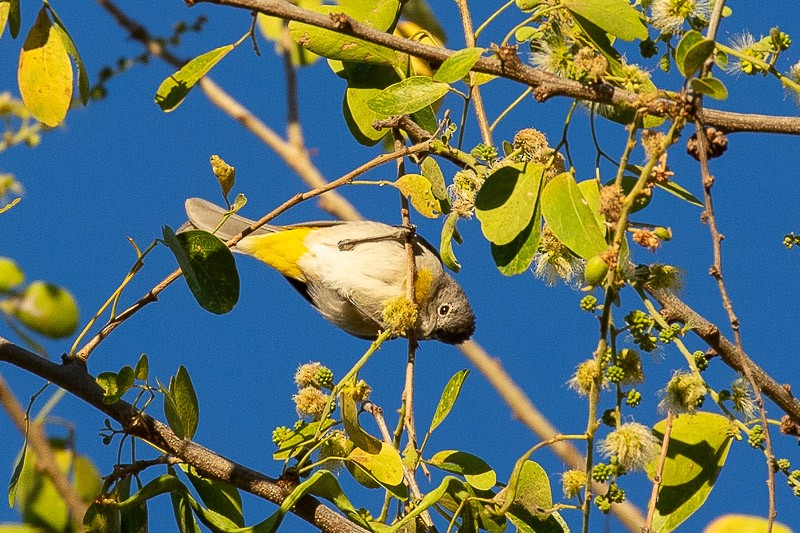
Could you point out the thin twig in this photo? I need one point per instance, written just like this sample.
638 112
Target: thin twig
152 295
45 458
474 89
293 153
662 460
377 414
716 269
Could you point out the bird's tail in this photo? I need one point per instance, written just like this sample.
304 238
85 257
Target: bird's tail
207 216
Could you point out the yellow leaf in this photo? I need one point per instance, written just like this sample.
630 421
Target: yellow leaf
45 73
418 188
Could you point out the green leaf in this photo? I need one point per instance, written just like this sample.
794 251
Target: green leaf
692 52
323 484
448 398
475 470
449 485
45 73
334 45
184 518
11 276
142 369
515 257
507 199
218 496
419 190
408 96
171 412
449 234
173 90
18 466
132 519
386 467
676 190
379 14
114 384
296 444
72 50
617 17
698 447
44 308
359 91
185 399
208 267
570 218
711 87
433 173
458 65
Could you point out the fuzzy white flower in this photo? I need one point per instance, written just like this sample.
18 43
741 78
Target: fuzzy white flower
669 15
633 444
741 398
684 393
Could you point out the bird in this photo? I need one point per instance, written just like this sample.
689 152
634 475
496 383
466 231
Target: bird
350 270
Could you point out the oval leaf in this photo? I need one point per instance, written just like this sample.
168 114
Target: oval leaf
433 173
711 87
408 96
174 89
516 256
11 276
448 398
475 470
185 399
418 189
692 52
698 447
457 66
45 73
45 308
506 201
617 17
570 218
208 267
335 45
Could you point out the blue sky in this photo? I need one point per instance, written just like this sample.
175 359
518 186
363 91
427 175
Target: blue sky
121 167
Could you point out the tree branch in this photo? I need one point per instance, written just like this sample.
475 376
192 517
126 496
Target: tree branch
507 65
73 377
674 309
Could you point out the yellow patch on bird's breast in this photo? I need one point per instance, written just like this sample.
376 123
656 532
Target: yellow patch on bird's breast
422 286
281 250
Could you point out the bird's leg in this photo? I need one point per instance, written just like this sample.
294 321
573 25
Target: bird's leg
400 233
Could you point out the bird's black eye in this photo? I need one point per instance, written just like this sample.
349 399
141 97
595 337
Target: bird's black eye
444 309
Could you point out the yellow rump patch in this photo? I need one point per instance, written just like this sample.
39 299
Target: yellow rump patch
281 250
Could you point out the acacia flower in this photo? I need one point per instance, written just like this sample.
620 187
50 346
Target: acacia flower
668 16
633 445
